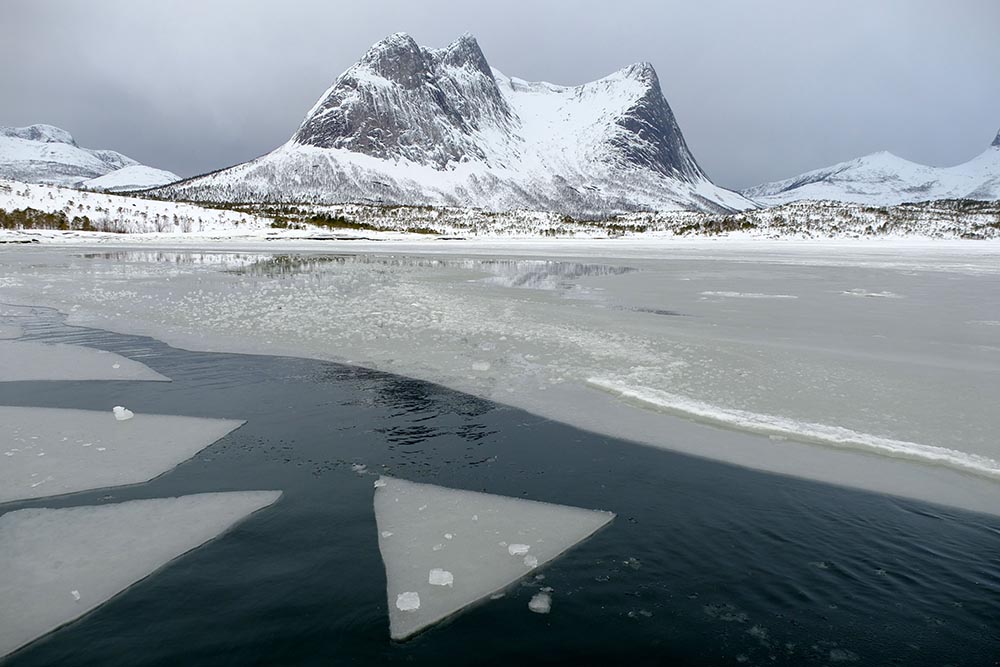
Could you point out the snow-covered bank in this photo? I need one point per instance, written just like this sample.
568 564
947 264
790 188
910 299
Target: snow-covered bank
50 214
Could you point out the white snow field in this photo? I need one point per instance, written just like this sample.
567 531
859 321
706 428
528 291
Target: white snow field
59 564
445 549
895 395
28 360
134 177
52 451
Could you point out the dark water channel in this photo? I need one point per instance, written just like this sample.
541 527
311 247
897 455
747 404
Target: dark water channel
706 564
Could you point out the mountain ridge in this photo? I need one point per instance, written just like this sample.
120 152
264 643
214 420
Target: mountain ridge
412 125
49 155
885 179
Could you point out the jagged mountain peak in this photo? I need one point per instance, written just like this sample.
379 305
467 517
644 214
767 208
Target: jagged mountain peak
464 52
397 58
643 72
996 141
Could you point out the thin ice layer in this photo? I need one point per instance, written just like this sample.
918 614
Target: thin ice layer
59 564
429 535
24 360
49 451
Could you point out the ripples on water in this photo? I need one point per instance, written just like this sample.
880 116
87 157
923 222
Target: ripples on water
706 564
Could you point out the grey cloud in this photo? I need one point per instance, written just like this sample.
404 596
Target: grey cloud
762 90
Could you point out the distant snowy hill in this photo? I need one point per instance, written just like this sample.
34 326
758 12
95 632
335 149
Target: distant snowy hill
49 155
883 179
419 126
133 177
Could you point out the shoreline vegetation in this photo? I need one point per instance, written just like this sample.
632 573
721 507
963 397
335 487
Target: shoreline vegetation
41 207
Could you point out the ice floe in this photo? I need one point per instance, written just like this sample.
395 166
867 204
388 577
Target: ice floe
427 580
540 603
29 360
51 451
9 331
865 293
59 564
122 414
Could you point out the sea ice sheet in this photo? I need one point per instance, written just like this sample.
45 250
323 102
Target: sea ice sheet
59 564
430 576
29 360
51 451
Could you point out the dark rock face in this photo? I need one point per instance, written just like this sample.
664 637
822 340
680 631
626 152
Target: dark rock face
404 101
996 142
651 138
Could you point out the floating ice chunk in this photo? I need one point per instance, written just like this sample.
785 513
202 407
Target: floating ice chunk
540 603
530 561
439 577
749 295
408 601
379 483
477 567
122 414
518 549
878 295
100 549
359 468
28 360
386 533
85 449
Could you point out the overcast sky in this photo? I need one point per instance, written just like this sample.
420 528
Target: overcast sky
762 90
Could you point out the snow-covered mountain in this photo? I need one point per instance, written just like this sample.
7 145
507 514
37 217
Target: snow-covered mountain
419 126
49 155
127 179
883 179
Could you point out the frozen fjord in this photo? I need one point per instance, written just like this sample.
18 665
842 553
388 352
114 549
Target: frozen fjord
52 451
654 317
60 564
444 549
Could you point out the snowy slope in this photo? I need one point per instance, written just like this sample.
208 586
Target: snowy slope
119 213
50 155
134 177
883 179
411 125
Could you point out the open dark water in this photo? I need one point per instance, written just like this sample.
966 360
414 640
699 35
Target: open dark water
706 564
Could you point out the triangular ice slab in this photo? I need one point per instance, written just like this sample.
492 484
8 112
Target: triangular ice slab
58 564
446 548
27 360
51 451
